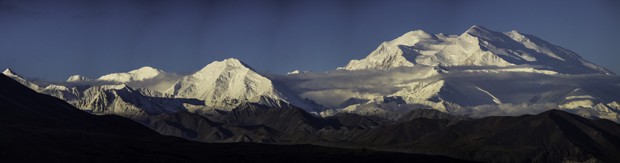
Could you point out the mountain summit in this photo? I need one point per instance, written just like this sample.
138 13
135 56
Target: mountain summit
477 46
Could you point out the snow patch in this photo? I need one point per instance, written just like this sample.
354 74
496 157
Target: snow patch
495 99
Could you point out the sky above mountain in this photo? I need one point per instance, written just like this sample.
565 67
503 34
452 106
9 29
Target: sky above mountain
52 40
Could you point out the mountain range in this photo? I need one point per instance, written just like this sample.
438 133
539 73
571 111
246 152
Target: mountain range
471 96
40 128
49 129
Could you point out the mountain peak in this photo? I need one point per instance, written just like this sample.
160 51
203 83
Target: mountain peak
399 52
475 26
77 78
8 71
418 33
226 84
11 73
410 38
226 64
236 62
145 70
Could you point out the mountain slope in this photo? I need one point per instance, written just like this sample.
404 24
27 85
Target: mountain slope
561 59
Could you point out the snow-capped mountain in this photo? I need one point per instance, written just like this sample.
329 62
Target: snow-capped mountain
145 77
78 78
140 74
229 83
479 73
478 46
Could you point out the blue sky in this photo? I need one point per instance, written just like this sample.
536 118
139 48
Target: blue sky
53 39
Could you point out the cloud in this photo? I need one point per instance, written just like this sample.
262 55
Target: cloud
334 87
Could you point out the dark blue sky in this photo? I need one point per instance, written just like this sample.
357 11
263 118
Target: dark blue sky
51 40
